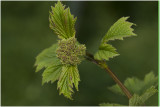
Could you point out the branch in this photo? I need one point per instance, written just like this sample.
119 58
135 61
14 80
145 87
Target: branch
103 65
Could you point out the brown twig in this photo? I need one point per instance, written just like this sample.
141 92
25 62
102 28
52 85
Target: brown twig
103 65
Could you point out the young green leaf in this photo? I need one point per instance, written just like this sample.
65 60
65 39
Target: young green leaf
137 100
106 51
46 58
68 77
116 89
62 21
51 73
136 85
118 30
148 93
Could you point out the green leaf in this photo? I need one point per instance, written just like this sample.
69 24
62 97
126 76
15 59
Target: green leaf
61 21
150 79
137 100
119 30
149 92
46 58
116 89
51 73
136 85
68 77
105 51
110 104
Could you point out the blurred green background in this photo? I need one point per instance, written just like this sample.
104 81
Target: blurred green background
25 33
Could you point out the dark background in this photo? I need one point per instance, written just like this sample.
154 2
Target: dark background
26 32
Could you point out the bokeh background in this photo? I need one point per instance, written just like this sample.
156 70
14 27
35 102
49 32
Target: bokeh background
26 32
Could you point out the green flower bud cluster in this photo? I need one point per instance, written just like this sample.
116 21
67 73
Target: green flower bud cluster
70 52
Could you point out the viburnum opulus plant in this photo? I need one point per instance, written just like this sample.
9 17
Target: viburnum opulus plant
61 60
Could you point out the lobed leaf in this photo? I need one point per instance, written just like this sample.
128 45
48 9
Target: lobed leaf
136 85
51 73
46 58
118 30
137 100
62 21
149 92
105 51
68 77
116 89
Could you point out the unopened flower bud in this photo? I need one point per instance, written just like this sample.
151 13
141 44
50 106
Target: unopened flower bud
69 52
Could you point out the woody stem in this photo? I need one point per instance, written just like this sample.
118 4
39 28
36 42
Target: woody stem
104 66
